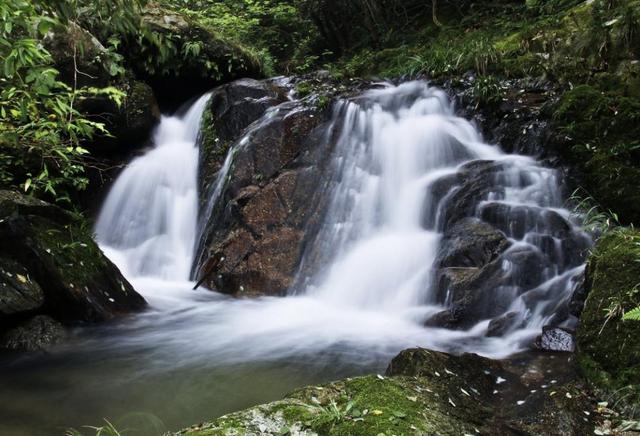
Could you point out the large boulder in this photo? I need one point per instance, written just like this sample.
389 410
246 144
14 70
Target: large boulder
608 347
51 265
253 239
425 392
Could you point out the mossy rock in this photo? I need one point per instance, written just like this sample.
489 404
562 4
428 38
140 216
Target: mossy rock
424 393
598 137
609 348
56 250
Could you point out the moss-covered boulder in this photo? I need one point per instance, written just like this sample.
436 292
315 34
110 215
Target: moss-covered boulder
423 393
609 348
51 266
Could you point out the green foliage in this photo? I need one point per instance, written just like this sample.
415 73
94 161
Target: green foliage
487 90
632 315
40 127
273 30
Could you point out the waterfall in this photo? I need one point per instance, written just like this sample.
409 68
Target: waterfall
369 280
147 224
397 148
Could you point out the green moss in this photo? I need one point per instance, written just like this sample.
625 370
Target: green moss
609 348
358 406
601 131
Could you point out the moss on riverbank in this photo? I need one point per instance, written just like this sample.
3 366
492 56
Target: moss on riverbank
609 348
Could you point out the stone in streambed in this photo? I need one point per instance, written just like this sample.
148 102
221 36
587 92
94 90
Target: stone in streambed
37 334
555 339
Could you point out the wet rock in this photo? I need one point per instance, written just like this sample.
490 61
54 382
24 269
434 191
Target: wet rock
555 339
268 204
503 324
578 296
19 293
475 183
471 243
37 334
231 109
515 221
58 254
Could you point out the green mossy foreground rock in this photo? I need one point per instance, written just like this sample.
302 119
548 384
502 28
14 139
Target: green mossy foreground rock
425 393
609 348
50 265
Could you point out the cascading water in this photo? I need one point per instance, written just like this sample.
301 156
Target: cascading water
396 181
381 234
148 222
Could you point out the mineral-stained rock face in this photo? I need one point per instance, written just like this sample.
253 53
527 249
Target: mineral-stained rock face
50 265
253 236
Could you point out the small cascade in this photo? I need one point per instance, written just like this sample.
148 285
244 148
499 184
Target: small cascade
147 224
406 169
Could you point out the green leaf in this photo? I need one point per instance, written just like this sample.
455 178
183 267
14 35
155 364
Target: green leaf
633 315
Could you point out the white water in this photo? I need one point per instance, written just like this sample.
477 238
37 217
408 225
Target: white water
373 294
147 225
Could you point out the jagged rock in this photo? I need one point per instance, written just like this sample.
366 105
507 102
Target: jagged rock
57 253
37 334
555 339
471 243
231 109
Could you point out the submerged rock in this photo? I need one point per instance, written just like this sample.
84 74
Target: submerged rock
51 265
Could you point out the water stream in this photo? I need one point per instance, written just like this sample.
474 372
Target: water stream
197 354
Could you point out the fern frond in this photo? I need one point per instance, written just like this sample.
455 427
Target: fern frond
632 315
